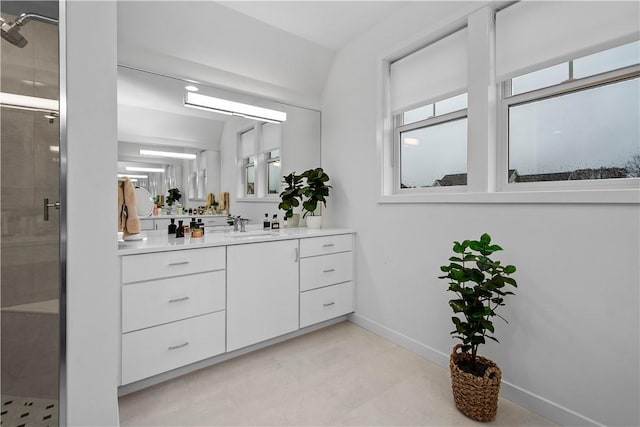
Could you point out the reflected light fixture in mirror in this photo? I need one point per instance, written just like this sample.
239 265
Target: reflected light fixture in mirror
224 106
124 175
172 155
137 169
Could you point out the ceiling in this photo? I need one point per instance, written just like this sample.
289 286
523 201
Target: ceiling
331 24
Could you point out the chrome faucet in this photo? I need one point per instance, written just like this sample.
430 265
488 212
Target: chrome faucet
241 221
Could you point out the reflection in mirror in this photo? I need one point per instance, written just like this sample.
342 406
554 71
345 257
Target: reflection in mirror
152 116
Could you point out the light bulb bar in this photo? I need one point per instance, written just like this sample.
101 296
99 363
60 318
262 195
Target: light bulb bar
218 105
139 169
124 175
168 154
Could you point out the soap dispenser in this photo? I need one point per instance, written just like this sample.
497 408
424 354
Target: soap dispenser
180 229
172 226
266 224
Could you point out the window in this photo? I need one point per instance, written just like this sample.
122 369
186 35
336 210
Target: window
273 172
247 157
430 125
576 121
250 175
259 160
433 144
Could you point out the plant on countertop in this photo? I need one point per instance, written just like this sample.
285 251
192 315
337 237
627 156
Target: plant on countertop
479 282
291 196
315 190
173 196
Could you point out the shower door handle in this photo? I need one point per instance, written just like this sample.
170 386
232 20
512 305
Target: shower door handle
46 205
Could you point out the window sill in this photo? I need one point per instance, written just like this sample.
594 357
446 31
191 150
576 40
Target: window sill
609 196
274 199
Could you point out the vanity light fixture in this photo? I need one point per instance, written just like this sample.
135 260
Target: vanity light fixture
218 105
32 103
411 141
188 156
138 169
124 175
191 88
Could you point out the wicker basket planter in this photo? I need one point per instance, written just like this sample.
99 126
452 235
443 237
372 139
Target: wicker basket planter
476 397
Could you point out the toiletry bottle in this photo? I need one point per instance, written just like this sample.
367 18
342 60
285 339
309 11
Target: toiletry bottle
172 226
284 222
192 224
200 225
180 229
275 225
266 224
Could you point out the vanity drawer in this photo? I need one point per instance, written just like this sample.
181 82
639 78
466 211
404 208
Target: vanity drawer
163 348
161 301
319 271
138 268
323 304
325 245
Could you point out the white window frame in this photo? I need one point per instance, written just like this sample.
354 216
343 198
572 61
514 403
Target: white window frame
568 87
486 148
261 193
268 162
399 128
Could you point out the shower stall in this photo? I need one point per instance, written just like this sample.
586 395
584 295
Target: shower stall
31 272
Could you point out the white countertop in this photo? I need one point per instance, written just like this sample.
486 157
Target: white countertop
160 241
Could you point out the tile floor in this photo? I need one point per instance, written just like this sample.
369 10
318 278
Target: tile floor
340 375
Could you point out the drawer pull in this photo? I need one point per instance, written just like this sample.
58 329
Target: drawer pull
328 304
331 270
328 245
175 347
178 299
178 263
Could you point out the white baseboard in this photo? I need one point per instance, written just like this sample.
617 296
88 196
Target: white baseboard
537 404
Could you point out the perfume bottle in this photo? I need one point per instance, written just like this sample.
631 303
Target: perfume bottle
180 229
266 224
172 226
275 225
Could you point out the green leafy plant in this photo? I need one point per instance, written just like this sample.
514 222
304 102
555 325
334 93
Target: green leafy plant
173 196
316 190
478 282
291 196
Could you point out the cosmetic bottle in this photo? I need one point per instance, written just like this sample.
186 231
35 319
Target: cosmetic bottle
192 224
275 225
172 226
266 224
200 225
180 229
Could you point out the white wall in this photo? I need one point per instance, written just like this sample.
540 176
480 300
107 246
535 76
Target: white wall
92 267
571 349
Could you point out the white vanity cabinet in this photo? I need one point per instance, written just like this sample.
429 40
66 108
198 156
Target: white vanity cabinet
173 310
262 291
326 278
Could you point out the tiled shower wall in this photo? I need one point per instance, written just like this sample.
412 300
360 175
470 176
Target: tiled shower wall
29 252
29 169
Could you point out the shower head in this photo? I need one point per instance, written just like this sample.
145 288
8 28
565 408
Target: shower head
11 31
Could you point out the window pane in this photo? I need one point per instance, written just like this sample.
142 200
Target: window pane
250 179
590 134
417 114
273 184
608 60
542 78
434 155
452 104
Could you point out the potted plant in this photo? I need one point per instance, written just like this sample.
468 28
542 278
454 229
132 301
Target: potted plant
479 284
315 190
291 197
173 196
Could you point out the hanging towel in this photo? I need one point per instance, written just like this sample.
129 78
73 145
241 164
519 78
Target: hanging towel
128 220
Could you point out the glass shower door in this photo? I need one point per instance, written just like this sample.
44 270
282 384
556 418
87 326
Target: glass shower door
30 222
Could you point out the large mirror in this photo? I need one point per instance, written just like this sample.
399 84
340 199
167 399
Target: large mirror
152 117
